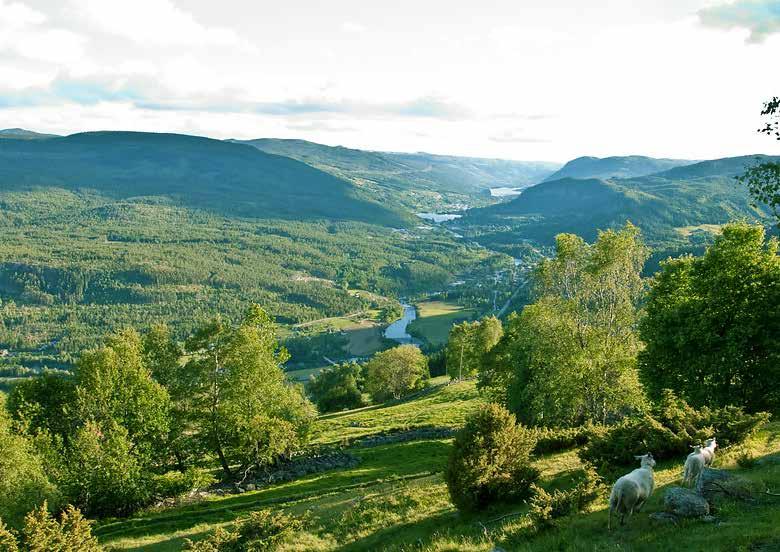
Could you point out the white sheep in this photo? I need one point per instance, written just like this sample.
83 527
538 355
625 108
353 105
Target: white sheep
709 452
694 465
632 490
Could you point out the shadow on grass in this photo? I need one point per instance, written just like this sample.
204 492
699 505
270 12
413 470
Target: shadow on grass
399 462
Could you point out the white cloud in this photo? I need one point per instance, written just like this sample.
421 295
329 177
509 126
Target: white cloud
155 22
353 28
23 33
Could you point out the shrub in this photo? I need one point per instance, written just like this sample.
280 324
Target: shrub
490 461
41 532
668 432
175 483
262 530
547 507
550 440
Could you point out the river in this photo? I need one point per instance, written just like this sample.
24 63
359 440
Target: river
397 330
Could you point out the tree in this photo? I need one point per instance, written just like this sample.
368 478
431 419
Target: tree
468 344
24 484
244 409
337 388
570 357
101 473
763 180
45 404
114 386
163 357
396 372
712 324
490 460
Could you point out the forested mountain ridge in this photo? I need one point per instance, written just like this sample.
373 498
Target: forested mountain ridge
24 134
674 209
417 179
189 171
617 166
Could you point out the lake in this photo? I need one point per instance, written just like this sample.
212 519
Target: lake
504 192
438 217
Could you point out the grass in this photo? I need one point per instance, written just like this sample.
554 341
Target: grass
447 406
434 320
396 499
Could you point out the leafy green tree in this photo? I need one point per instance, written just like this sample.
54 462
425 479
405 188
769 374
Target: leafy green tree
713 323
163 357
45 404
114 386
763 180
469 343
24 484
570 357
101 473
337 388
396 372
490 460
244 409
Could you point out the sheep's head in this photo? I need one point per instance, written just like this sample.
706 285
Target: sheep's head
696 449
711 443
646 460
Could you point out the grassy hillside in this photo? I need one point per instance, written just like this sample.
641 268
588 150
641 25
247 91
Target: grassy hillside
619 167
420 180
673 208
189 171
395 499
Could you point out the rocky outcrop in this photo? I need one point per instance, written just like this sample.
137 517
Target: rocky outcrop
416 434
685 503
717 486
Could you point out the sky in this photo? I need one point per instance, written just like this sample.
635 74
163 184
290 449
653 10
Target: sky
517 79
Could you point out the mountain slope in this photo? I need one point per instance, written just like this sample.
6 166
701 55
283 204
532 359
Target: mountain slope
22 134
188 171
672 208
617 167
390 174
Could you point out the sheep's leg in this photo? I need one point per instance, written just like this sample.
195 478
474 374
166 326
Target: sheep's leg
639 505
609 519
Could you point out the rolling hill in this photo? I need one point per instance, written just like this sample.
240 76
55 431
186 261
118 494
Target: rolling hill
417 179
615 167
188 171
23 134
674 208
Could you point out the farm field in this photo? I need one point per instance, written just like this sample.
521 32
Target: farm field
396 499
434 320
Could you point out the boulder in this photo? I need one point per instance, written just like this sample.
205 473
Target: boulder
685 503
717 486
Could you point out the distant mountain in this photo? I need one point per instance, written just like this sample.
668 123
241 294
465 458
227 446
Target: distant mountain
190 171
390 173
615 167
22 134
671 207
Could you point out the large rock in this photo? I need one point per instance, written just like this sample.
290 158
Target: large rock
717 486
685 503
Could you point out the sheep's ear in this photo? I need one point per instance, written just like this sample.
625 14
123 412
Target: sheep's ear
639 457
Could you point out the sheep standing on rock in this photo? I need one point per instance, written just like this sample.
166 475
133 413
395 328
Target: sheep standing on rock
632 490
694 465
709 452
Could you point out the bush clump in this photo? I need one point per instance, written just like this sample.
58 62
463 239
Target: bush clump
72 533
490 461
668 431
262 530
549 440
547 507
175 483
